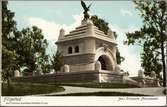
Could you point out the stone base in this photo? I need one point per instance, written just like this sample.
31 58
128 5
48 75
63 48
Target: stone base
61 77
76 77
148 82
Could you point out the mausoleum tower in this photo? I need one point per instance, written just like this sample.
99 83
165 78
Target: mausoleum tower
83 47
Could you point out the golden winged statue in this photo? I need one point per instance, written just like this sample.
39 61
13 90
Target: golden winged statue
86 9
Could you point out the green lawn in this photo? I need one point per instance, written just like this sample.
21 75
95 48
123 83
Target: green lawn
101 94
21 89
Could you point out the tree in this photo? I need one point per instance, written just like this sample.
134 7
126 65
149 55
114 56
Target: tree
8 64
25 48
119 57
31 47
100 23
57 61
44 62
103 26
9 55
151 35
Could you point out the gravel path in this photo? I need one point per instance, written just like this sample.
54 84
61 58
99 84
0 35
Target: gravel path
155 91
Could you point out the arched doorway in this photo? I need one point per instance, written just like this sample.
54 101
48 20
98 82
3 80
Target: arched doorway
106 58
105 63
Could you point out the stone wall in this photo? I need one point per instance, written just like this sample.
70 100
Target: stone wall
147 82
81 67
113 78
75 77
79 59
87 76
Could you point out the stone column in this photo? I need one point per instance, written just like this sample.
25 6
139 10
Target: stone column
16 73
90 30
62 33
157 83
89 46
61 69
142 83
34 73
140 74
117 69
66 68
153 75
141 78
39 71
97 65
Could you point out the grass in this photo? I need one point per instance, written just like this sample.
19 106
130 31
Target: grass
102 94
21 89
101 85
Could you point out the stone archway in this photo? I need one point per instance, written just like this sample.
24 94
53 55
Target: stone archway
106 58
106 64
103 63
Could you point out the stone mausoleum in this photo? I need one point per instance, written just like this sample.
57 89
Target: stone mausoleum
90 54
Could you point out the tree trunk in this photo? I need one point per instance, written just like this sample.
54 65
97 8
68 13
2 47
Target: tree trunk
164 71
8 82
8 86
163 60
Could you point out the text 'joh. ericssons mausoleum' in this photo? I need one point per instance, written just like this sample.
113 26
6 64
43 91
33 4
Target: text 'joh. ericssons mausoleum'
90 54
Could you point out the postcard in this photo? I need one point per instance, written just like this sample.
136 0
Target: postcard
83 53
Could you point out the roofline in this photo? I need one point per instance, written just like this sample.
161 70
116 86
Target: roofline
83 37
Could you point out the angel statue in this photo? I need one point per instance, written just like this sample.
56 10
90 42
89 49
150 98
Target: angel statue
86 9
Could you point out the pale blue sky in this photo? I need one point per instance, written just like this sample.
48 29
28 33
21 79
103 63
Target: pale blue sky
58 10
121 16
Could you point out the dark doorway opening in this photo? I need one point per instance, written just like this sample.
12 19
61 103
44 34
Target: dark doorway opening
103 63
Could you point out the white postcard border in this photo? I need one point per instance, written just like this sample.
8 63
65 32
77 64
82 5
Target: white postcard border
84 101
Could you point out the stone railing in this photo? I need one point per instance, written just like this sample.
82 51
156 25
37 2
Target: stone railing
61 77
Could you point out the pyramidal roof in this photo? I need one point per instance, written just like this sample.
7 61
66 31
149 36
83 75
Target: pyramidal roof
86 29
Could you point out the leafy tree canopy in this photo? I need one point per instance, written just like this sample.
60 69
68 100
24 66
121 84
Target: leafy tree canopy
100 23
9 62
24 48
57 61
151 36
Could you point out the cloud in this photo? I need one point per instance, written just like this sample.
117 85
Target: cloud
51 29
126 12
132 59
131 62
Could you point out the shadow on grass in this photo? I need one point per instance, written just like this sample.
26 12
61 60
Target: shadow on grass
101 85
21 89
100 94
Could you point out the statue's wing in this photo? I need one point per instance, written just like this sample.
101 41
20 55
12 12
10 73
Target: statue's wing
90 5
83 5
